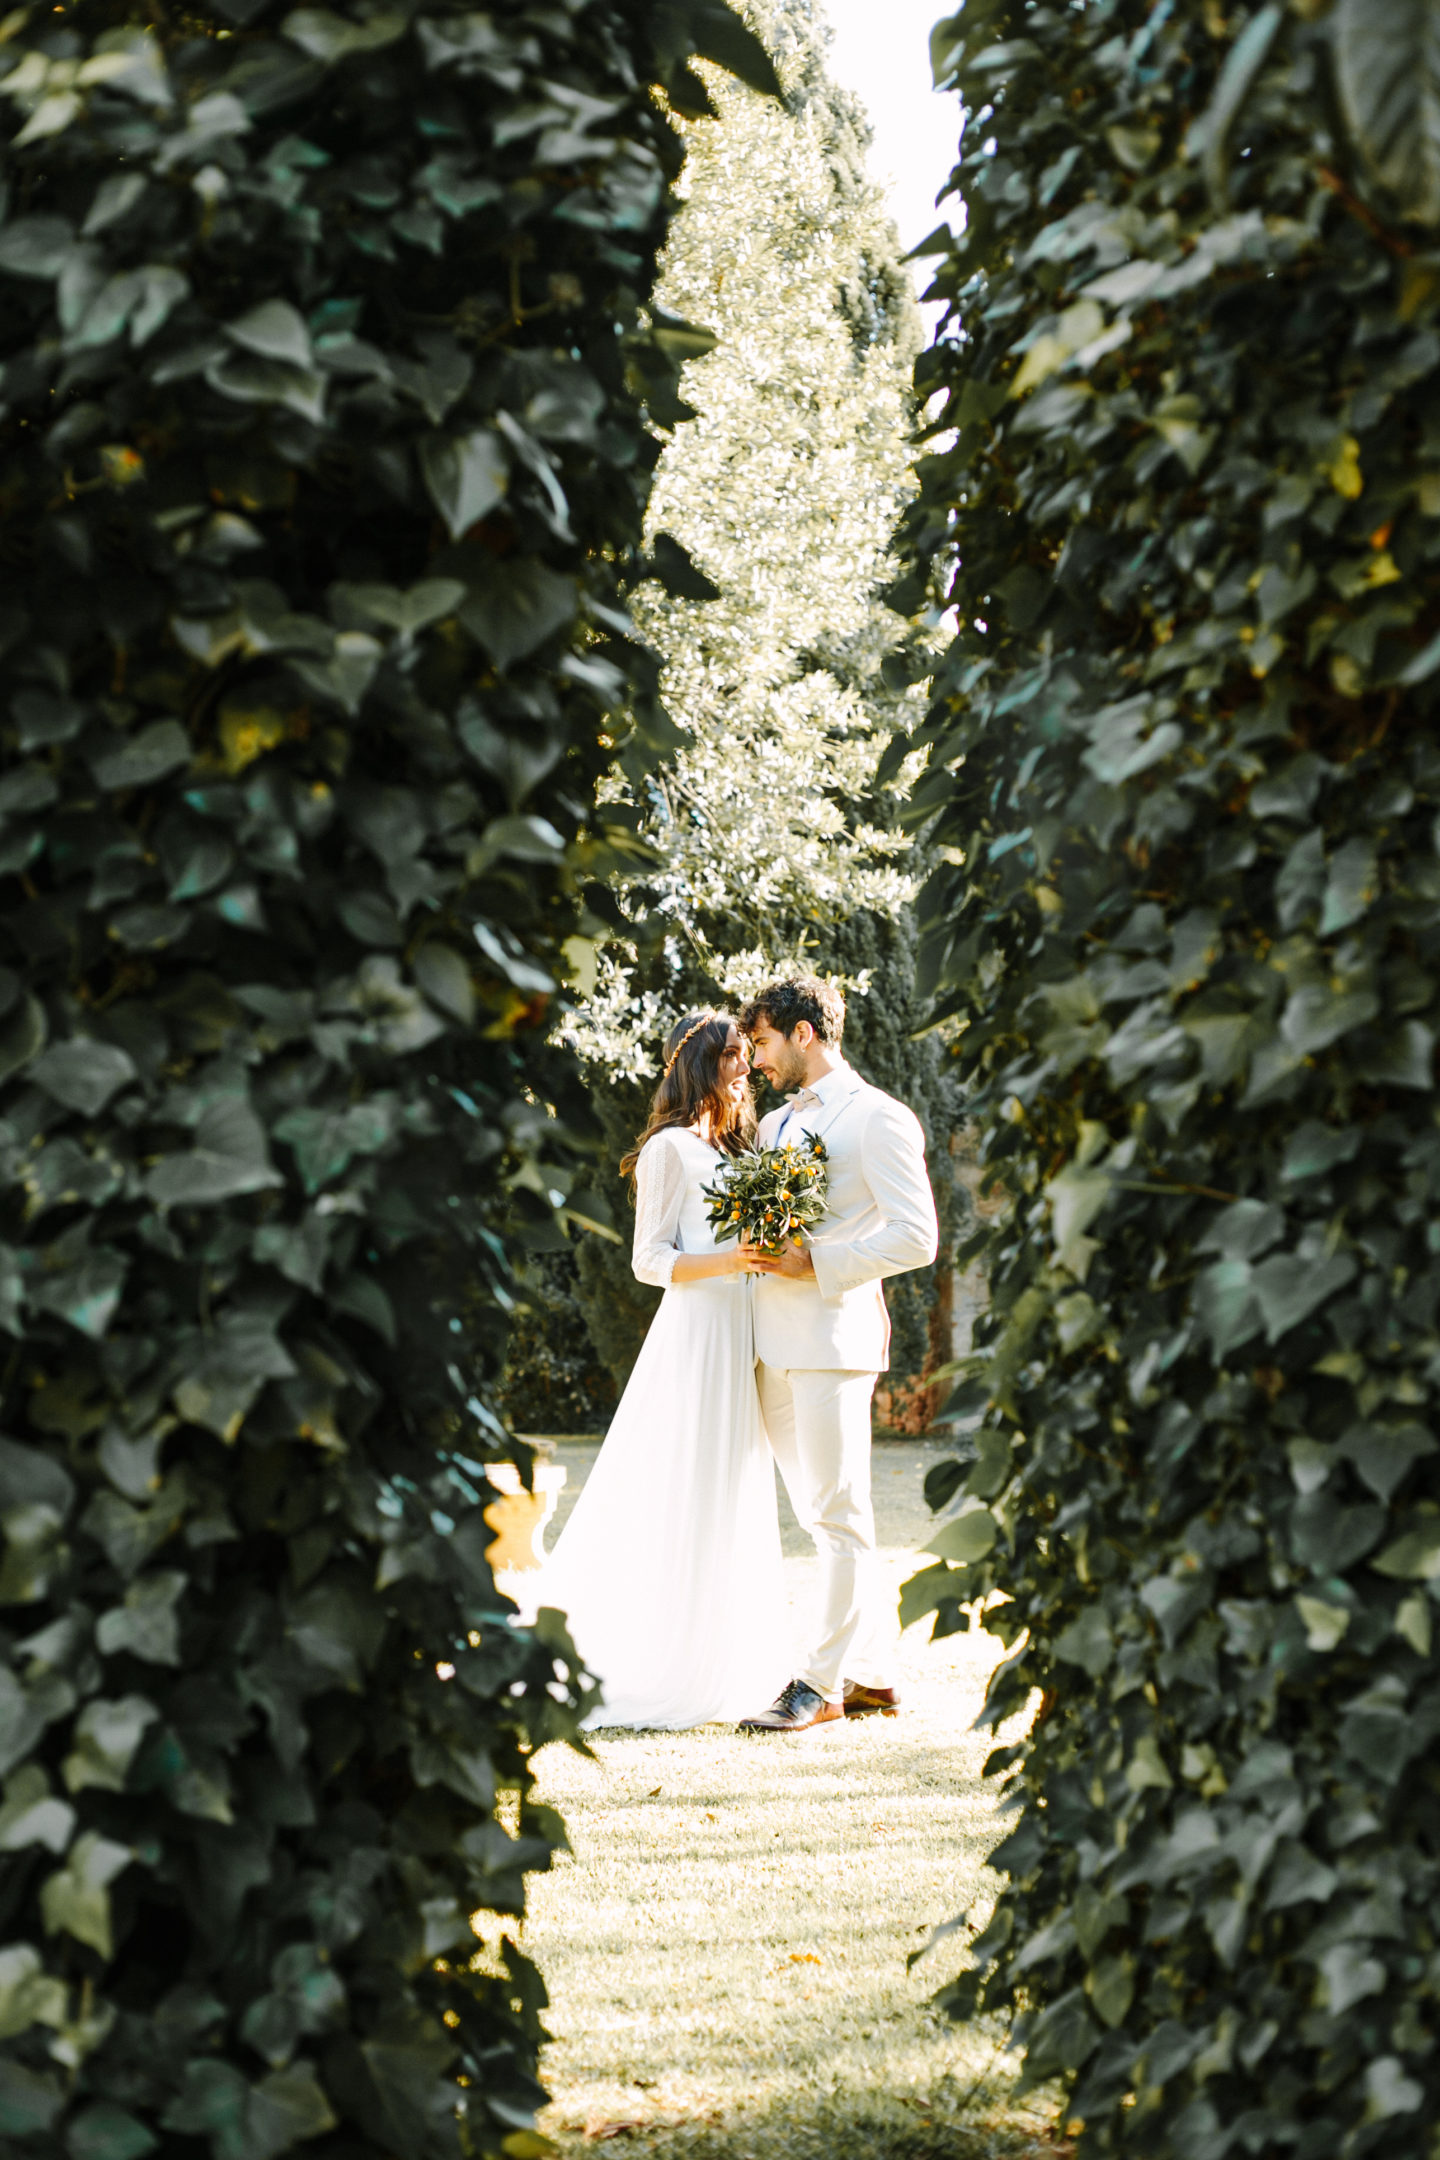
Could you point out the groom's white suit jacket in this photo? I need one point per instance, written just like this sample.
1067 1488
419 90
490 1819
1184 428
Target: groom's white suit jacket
879 1221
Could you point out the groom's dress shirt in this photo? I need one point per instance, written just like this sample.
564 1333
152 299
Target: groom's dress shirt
879 1221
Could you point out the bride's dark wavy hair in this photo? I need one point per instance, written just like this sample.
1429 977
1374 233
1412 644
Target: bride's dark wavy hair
691 1086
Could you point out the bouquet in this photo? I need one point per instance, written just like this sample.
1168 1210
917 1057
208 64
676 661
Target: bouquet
769 1196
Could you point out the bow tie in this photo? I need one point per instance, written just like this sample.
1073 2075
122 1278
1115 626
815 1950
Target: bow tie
805 1100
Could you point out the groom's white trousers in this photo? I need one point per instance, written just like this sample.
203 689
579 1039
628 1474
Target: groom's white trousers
819 1427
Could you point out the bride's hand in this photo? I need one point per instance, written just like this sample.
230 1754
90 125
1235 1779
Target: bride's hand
754 1260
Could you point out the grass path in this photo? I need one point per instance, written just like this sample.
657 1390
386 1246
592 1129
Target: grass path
726 1948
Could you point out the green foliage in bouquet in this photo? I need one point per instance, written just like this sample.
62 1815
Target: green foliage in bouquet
325 453
1185 504
778 1193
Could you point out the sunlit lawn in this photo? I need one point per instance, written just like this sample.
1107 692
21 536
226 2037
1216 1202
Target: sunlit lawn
726 1950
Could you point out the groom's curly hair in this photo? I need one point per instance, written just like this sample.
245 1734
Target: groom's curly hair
793 998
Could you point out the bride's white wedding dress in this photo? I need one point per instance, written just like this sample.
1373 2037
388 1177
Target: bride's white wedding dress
669 1568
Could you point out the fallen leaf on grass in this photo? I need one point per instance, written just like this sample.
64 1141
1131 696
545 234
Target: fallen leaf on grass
656 1793
596 2132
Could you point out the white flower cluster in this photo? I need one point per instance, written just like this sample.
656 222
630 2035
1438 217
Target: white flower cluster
785 488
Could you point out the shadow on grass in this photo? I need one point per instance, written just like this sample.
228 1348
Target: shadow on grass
868 2130
949 2119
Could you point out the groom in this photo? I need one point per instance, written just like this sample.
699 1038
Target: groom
822 1333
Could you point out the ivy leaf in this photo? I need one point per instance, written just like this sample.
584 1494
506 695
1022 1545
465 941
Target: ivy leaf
114 199
227 1369
106 1738
1405 1059
230 1156
1350 1974
145 758
1243 1230
1076 1197
346 675
252 380
1086 1642
406 611
922 1593
513 608
28 1996
1112 1988
29 1477
365 1299
445 979
1327 1536
1210 134
31 1814
275 330
1289 1287
23 1034
1387 71
716 32
36 247
83 1074
1383 1454
1063 2038
75 1900
967 1536
1317 1016
467 476
1415 1555
1313 1148
30 2101
245 2122
145 1624
1389 2092
673 566
1227 1308
1351 885
328 37
82 1288
107 2132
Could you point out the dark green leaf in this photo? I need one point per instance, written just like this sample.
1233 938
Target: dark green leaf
673 566
513 608
467 476
83 1074
107 2132
1387 67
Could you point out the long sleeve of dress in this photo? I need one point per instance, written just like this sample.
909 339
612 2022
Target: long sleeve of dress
659 1195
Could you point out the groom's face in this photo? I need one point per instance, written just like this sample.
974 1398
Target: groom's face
782 1058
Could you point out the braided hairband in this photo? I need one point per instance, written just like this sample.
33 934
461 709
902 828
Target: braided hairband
703 1021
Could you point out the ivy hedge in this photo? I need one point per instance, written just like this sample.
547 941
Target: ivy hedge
327 419
1184 499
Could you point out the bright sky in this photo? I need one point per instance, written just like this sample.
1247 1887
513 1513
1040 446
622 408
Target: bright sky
882 52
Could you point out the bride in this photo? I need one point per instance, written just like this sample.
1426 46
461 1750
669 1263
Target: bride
669 1568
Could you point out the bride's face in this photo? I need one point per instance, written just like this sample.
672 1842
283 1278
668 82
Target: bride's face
735 1065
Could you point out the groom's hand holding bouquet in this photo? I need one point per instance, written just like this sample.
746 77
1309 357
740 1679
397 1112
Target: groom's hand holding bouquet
768 1201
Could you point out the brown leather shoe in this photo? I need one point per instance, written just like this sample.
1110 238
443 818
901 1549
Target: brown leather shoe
795 1709
862 1701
